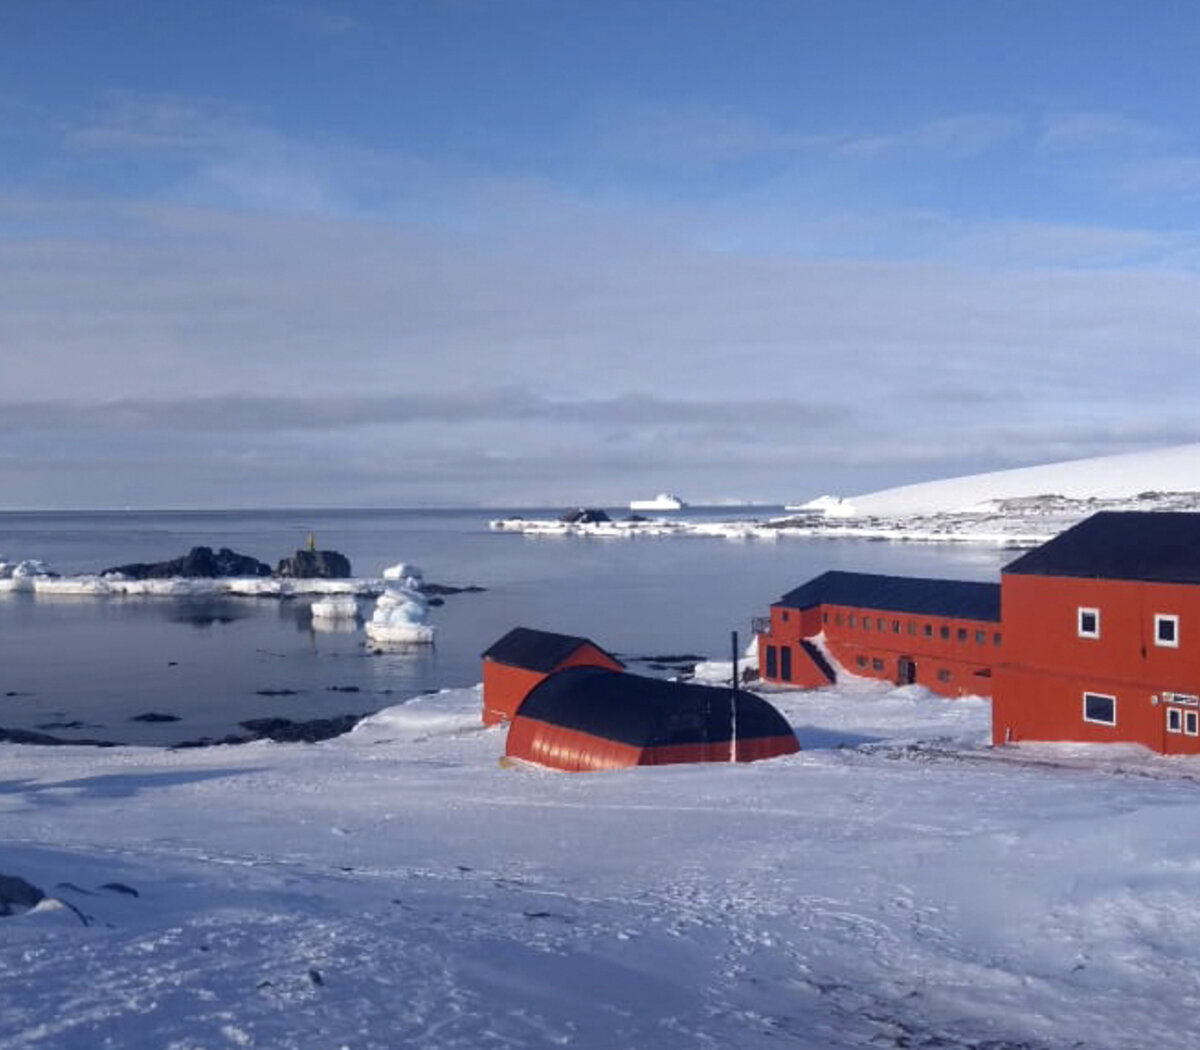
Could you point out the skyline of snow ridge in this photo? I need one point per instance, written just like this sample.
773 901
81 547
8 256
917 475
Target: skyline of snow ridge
278 253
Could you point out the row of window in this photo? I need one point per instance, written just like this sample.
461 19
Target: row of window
876 664
1102 709
882 623
1166 626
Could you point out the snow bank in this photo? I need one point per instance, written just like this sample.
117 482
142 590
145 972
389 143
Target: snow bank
895 884
1175 469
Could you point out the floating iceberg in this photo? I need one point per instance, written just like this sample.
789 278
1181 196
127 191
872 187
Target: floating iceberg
335 607
401 611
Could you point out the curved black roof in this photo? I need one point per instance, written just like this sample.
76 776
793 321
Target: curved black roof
958 599
647 712
1157 546
537 650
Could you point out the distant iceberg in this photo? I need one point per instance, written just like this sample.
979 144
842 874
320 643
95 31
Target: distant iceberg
663 501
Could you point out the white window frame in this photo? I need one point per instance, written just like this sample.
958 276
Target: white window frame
1100 721
1083 611
1175 714
1173 619
1191 723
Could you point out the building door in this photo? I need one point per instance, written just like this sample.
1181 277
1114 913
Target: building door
1182 725
906 671
785 662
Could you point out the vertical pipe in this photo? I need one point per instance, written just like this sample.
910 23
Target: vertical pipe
733 697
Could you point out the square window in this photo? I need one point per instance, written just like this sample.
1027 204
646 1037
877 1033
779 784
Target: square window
962 634
866 623
895 627
876 664
1191 723
944 631
996 638
837 619
943 675
981 637
1174 720
912 626
1100 709
879 622
1166 630
928 630
785 616
853 620
861 661
1088 623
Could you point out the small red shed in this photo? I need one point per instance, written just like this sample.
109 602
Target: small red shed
523 658
1102 625
590 718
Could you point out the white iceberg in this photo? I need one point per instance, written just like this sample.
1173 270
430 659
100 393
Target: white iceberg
335 607
401 611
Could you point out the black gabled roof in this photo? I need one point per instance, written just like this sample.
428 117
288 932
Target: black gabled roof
1158 546
647 712
537 650
959 599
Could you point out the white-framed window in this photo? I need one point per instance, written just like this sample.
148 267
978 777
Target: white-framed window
1174 720
1099 708
1191 723
1166 630
1088 622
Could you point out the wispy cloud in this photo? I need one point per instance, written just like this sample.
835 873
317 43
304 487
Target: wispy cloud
322 22
1073 131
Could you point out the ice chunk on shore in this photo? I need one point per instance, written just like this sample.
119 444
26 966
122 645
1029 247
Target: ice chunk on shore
402 610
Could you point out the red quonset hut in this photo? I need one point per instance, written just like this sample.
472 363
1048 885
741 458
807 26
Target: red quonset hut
589 718
523 658
942 634
1102 635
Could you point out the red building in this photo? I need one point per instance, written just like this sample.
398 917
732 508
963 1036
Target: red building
942 634
589 718
1102 635
523 658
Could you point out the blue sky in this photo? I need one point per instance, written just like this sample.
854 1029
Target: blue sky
506 251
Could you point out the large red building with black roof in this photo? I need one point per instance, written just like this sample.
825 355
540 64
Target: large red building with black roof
942 634
1102 635
1093 636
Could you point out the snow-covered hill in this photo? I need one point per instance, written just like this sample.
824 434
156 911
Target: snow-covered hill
1174 470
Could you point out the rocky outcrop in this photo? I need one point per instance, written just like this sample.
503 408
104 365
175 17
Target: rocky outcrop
17 895
198 562
584 516
315 565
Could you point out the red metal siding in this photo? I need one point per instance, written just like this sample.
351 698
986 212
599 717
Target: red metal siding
531 740
1047 666
871 642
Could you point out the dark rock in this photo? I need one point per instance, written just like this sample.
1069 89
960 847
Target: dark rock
275 692
315 565
584 516
198 562
154 716
28 736
445 588
343 688
17 895
285 730
120 887
76 724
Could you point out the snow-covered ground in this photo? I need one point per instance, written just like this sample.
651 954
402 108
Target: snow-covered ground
1010 508
896 884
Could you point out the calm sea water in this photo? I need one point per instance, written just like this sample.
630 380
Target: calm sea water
86 667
